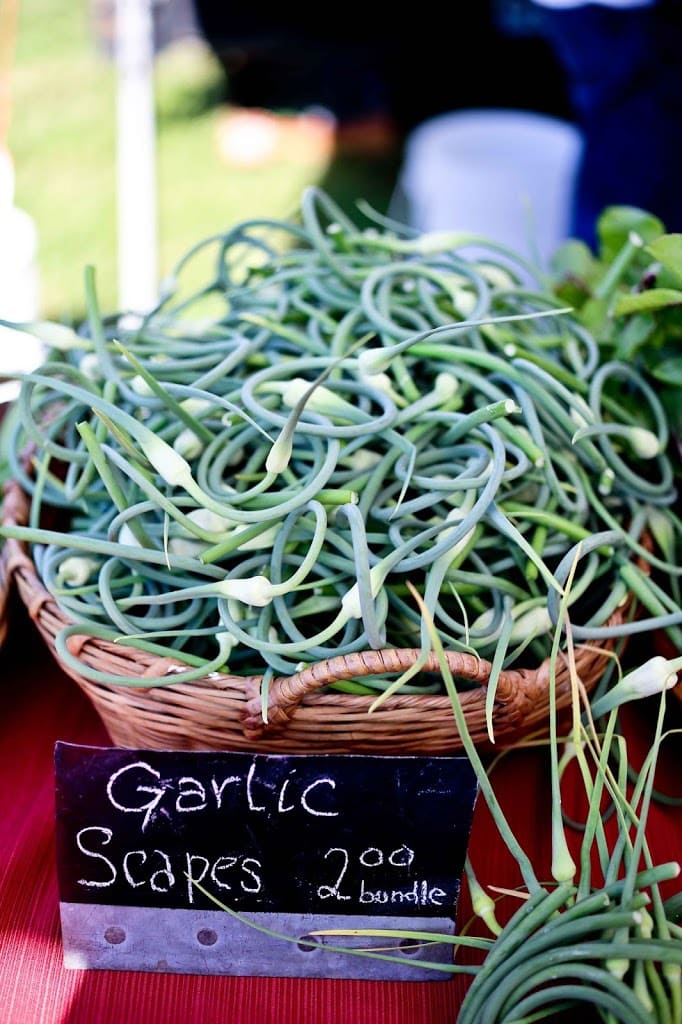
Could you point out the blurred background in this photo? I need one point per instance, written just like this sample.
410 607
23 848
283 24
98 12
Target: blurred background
131 129
60 90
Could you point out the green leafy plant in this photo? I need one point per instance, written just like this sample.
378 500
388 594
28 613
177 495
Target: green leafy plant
629 295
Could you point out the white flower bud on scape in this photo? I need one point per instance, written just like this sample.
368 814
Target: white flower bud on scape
188 444
169 464
651 678
257 591
76 570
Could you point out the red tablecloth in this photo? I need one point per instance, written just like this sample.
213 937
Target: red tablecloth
41 705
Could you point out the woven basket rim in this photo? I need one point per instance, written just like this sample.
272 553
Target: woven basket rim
521 699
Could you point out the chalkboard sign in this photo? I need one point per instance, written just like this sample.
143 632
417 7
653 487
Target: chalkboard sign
304 842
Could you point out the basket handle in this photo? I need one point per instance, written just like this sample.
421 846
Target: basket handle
286 693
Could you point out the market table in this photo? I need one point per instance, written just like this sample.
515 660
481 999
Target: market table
41 705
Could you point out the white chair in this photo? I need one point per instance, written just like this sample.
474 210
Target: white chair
504 174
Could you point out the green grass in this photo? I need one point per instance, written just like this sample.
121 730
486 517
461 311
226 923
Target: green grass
63 143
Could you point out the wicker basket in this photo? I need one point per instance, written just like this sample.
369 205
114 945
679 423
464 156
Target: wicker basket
223 712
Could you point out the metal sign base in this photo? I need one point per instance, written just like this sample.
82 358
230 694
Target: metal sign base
119 938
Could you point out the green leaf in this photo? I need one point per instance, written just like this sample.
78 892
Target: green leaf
668 250
616 223
669 371
573 259
652 299
631 337
574 270
594 314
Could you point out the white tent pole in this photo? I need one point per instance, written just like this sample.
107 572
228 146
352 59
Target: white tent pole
136 157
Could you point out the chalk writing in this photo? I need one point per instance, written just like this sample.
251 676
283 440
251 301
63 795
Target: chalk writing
280 833
188 794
